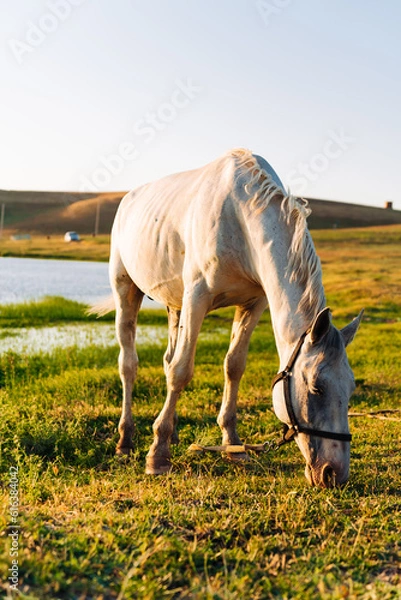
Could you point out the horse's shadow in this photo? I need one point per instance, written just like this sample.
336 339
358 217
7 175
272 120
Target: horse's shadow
93 445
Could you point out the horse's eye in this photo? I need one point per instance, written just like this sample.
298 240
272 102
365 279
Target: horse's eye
317 390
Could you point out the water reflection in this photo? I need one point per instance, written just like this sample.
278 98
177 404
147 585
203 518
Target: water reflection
33 278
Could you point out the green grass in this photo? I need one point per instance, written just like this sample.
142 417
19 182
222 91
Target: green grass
51 309
56 310
40 246
361 269
95 527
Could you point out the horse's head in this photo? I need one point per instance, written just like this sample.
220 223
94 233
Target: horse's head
316 389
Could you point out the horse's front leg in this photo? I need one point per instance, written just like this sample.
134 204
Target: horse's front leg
179 372
245 320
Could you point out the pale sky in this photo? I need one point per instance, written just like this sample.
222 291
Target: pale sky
101 95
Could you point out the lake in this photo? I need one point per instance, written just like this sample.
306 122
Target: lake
24 279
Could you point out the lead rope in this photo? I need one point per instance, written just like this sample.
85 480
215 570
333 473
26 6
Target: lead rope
288 435
268 446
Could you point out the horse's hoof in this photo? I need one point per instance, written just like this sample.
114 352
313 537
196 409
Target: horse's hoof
175 439
239 458
157 465
124 451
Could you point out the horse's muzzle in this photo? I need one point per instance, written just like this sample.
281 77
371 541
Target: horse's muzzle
328 475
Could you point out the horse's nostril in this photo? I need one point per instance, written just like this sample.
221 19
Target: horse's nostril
328 476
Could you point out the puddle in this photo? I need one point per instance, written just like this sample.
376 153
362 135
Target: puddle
31 340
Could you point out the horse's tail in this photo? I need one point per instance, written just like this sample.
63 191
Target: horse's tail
102 308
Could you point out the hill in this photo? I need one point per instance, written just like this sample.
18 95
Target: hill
49 213
327 214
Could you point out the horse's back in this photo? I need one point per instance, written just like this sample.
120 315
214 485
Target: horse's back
184 222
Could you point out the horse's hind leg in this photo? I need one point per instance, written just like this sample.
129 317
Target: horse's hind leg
173 323
128 298
245 320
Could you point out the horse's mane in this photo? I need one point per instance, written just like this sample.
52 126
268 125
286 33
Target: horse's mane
303 262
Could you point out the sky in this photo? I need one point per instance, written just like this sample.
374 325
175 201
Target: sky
101 96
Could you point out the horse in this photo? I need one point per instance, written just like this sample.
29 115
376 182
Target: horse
228 234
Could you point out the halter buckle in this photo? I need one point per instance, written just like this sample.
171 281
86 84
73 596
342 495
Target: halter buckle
288 434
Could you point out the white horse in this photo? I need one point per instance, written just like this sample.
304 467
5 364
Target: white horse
227 234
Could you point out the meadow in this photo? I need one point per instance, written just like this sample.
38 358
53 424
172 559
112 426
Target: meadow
41 246
95 527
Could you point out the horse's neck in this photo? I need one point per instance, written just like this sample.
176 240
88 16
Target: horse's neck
271 238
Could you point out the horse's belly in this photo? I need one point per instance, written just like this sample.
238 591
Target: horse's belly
240 295
168 291
154 262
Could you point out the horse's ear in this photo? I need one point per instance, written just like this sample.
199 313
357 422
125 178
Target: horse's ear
321 326
349 331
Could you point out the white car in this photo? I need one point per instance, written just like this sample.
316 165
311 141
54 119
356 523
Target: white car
71 236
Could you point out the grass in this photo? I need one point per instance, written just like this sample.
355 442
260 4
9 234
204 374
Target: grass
89 248
56 310
51 309
361 269
95 527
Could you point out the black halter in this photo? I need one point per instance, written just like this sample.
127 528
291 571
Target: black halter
290 432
